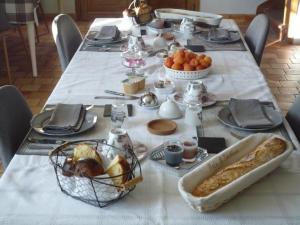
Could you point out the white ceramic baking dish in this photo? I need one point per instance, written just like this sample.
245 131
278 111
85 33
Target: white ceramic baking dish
232 154
177 14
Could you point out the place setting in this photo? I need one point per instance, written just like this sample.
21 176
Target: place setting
218 39
107 39
247 116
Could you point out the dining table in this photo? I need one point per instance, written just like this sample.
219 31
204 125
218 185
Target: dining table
29 193
23 12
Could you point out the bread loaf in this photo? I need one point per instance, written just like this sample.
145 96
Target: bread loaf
263 153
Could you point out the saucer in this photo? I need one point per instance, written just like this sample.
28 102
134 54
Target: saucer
149 107
211 99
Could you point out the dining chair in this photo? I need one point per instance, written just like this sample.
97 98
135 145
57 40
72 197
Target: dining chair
15 116
256 36
5 28
293 117
67 37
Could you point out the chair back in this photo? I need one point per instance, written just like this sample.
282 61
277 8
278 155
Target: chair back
4 23
256 36
15 116
293 117
67 38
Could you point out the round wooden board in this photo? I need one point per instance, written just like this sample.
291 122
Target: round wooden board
162 127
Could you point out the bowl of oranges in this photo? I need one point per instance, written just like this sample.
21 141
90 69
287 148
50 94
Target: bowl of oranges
187 65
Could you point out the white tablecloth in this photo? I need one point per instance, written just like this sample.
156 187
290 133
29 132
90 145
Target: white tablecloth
29 193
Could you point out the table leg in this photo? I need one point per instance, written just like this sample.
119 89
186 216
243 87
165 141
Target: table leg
31 40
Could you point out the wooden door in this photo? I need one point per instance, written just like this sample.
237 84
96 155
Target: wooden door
90 9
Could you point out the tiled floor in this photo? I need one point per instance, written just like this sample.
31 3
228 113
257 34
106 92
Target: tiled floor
280 64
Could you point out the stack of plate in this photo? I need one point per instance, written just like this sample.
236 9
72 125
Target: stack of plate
40 120
227 119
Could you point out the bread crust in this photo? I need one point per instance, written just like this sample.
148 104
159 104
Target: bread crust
118 170
263 153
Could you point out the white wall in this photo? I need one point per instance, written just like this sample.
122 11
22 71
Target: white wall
214 6
230 6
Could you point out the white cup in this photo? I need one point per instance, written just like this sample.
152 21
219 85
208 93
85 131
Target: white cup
120 140
193 115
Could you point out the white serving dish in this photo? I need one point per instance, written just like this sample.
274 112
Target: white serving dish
186 75
202 17
232 154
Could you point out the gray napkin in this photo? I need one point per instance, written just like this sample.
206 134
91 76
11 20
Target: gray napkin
107 33
66 118
218 34
249 113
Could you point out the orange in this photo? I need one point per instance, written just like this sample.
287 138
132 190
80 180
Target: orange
179 59
194 62
169 62
176 66
207 59
200 67
187 67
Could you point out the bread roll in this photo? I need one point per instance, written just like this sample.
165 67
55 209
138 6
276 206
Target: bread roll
118 169
82 151
88 168
263 153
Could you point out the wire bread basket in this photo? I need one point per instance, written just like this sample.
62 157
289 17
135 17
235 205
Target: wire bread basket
99 190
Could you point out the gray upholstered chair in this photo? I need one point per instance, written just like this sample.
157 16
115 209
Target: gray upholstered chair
15 116
256 36
293 117
67 38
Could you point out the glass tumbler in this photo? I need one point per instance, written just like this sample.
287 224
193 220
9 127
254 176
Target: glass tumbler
193 114
118 114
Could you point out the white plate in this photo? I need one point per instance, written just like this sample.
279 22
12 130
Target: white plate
226 118
212 99
41 119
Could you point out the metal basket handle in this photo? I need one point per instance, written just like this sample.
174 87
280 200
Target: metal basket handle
131 183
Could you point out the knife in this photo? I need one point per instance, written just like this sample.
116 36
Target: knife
114 97
121 94
45 141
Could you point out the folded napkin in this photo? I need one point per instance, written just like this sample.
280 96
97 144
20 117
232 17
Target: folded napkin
66 118
218 34
107 33
249 113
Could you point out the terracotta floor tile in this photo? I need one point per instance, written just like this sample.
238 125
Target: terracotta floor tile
295 60
275 71
292 77
275 77
284 105
285 98
289 83
272 83
279 66
288 90
294 66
